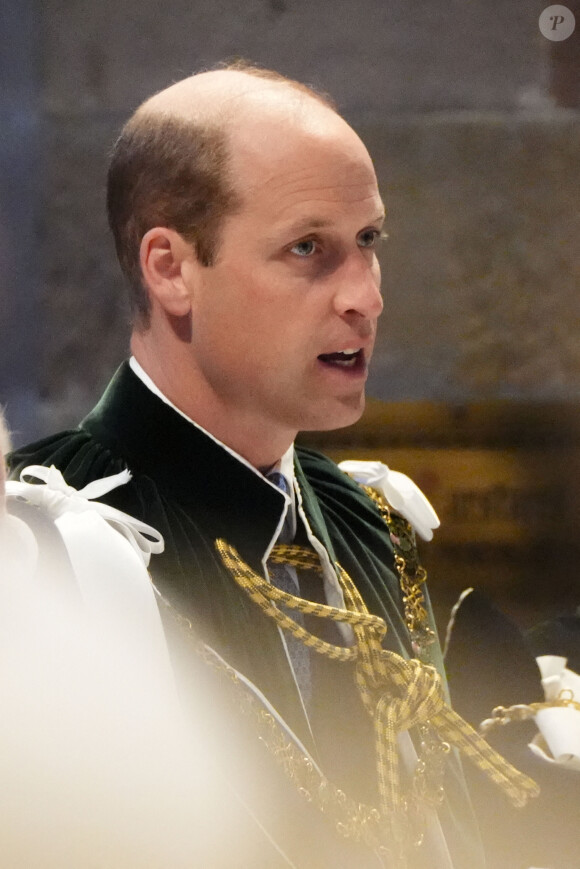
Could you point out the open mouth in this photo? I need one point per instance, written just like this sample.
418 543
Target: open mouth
344 359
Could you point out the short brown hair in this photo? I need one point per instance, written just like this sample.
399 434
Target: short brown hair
169 172
173 172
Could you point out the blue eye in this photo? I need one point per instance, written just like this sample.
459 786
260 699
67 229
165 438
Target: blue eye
304 248
368 237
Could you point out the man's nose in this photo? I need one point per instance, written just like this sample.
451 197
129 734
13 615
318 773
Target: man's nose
360 289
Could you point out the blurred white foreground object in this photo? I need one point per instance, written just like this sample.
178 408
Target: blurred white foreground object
98 766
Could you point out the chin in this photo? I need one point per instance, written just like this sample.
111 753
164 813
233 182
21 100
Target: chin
338 415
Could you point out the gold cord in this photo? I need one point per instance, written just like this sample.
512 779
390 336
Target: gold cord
398 694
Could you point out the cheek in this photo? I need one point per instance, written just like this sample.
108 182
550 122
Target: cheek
227 334
252 312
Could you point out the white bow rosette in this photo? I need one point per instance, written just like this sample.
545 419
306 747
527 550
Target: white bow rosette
558 720
109 551
400 491
58 500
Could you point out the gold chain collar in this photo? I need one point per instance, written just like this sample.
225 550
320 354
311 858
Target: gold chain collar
411 574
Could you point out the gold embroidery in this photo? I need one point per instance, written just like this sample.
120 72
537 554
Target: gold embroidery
351 819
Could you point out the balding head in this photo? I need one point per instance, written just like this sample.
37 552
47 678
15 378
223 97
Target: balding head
226 95
172 165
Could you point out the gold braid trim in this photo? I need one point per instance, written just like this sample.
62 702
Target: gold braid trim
398 694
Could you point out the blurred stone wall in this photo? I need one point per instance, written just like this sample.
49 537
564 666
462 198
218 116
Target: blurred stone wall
503 477
20 199
477 162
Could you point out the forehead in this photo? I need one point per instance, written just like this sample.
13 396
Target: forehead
302 161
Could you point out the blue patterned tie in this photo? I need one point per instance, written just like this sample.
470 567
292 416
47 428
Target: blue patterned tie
284 577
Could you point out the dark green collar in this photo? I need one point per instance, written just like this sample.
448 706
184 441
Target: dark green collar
229 498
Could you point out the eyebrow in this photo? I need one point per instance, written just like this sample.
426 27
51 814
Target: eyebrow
303 226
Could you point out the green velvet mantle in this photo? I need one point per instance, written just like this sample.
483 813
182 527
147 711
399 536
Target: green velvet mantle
193 491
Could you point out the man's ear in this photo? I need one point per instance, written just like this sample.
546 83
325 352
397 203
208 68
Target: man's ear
163 254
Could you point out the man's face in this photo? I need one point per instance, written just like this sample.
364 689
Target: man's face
284 323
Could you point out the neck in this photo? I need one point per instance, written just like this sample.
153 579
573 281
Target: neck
254 438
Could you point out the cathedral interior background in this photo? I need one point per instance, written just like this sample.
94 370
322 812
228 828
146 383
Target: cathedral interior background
472 117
